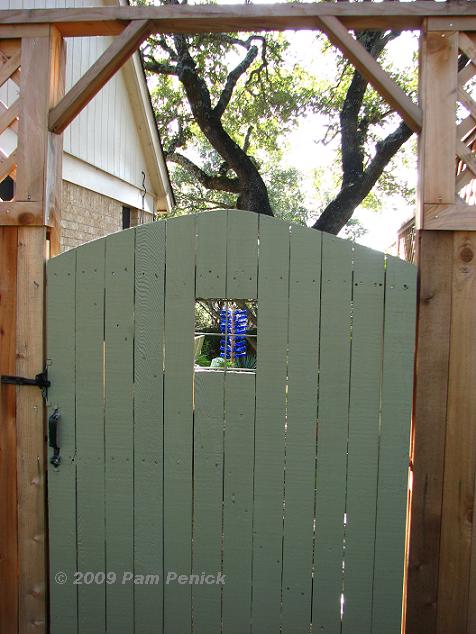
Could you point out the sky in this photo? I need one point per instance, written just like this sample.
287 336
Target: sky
304 152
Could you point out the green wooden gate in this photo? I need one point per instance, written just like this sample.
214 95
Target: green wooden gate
290 481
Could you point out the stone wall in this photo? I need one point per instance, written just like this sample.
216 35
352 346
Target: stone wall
87 215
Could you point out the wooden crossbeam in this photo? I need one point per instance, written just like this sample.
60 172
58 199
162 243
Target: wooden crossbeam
8 68
457 217
15 213
373 72
217 18
7 165
100 72
8 115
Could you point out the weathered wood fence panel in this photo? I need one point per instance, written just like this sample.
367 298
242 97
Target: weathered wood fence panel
290 480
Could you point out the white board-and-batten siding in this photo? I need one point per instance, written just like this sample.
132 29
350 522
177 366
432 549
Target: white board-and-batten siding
107 147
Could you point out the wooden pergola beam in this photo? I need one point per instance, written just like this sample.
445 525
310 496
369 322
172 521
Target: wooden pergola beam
88 21
101 71
372 71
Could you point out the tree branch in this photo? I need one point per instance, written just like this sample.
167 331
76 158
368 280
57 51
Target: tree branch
217 183
232 80
153 66
338 212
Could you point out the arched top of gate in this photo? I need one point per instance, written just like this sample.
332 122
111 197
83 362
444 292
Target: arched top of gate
229 245
232 222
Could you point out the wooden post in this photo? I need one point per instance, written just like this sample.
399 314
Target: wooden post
23 250
444 432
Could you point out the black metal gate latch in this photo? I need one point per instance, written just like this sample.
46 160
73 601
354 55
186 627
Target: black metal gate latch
40 380
53 421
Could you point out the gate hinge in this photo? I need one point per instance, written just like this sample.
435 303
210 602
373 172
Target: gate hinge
40 380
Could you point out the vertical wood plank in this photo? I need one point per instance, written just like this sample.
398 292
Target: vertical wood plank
271 379
432 358
148 423
61 327
178 417
207 499
238 501
91 536
54 144
397 384
472 578
211 254
303 353
119 427
334 365
33 121
8 433
31 430
439 85
460 454
242 255
364 419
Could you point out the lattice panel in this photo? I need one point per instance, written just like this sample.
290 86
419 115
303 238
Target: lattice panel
10 58
466 129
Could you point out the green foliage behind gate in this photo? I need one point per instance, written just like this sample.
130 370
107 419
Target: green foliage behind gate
290 481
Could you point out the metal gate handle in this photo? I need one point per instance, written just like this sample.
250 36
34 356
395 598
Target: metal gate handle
53 421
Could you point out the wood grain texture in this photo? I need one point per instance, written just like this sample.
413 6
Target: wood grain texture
54 145
178 417
170 19
32 127
8 433
21 213
363 443
301 432
208 498
31 431
429 426
240 392
148 423
439 85
61 329
394 449
460 455
333 414
91 496
271 373
472 578
457 217
119 426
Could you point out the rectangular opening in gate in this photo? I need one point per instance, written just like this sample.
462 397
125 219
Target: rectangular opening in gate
225 335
